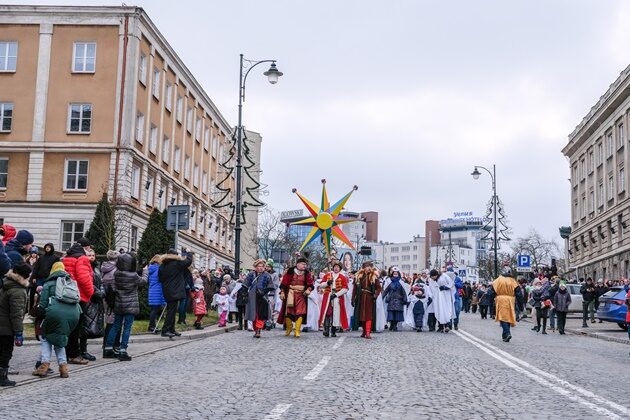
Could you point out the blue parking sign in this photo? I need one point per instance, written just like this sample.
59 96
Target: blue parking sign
524 261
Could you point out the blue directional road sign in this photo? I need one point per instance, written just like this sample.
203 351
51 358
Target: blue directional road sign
462 273
524 263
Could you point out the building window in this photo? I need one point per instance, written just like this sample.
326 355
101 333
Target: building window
609 144
583 166
80 118
142 69
187 167
206 139
180 108
394 249
583 212
591 201
135 181
575 175
591 162
620 136
4 172
622 180
162 194
576 214
166 149
133 239
153 134
204 182
600 154
151 190
177 160
84 60
155 88
8 55
169 96
189 119
140 127
215 146
600 193
76 175
196 176
71 231
198 128
6 116
611 187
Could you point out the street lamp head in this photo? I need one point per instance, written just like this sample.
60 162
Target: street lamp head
476 173
273 74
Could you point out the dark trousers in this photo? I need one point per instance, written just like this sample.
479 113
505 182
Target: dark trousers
588 306
562 320
73 349
541 315
431 321
6 350
108 328
155 312
182 309
483 310
505 326
239 316
466 304
473 309
169 320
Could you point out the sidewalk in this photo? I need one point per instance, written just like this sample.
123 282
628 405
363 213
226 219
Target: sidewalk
608 331
24 357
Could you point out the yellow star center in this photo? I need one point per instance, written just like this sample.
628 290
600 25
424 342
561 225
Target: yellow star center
324 221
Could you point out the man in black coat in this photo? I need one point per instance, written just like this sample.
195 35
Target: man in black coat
41 269
172 275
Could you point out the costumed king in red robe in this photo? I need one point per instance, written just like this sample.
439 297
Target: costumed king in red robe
367 287
297 283
333 312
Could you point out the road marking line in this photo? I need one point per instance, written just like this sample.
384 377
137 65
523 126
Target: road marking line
339 343
549 376
317 369
277 411
537 378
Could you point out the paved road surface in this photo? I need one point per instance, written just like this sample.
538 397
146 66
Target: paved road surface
468 374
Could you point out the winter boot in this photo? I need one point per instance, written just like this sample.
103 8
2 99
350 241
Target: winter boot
63 370
42 370
108 353
289 324
333 332
4 381
298 327
326 331
123 356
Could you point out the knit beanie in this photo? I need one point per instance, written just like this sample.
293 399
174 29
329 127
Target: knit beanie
23 270
58 266
112 255
24 237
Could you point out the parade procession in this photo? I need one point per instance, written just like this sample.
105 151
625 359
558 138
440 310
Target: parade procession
359 209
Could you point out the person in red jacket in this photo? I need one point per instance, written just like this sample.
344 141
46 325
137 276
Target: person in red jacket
79 266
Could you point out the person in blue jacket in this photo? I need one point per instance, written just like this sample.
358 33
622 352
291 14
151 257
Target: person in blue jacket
156 297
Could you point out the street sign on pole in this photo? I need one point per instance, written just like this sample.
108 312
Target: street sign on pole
177 217
524 264
462 273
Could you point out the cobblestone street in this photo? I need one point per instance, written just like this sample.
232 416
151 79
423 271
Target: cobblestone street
470 373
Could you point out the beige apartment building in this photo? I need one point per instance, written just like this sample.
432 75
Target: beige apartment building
598 149
93 101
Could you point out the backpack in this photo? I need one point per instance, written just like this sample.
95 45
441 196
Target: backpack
66 290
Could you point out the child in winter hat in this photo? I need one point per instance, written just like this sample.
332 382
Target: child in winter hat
199 303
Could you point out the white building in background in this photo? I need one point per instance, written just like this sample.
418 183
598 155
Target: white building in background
355 231
409 257
461 244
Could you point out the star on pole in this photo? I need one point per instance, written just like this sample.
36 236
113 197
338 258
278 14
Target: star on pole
325 219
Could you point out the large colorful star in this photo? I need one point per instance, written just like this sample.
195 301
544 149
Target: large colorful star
325 219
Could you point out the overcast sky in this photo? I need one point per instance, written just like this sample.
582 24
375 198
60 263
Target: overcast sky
403 98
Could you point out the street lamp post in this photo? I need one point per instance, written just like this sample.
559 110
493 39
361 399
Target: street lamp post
492 174
272 75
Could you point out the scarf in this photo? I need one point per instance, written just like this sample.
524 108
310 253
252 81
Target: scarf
395 284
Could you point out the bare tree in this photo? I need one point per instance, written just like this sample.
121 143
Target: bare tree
540 249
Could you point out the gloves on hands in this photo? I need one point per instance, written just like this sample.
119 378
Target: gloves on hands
444 288
333 296
329 282
19 339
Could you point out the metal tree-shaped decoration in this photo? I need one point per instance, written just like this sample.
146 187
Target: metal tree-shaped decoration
502 228
248 198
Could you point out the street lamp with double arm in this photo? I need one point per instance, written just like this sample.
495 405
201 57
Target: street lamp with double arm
475 174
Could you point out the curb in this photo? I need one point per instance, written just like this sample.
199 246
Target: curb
589 334
153 338
104 362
